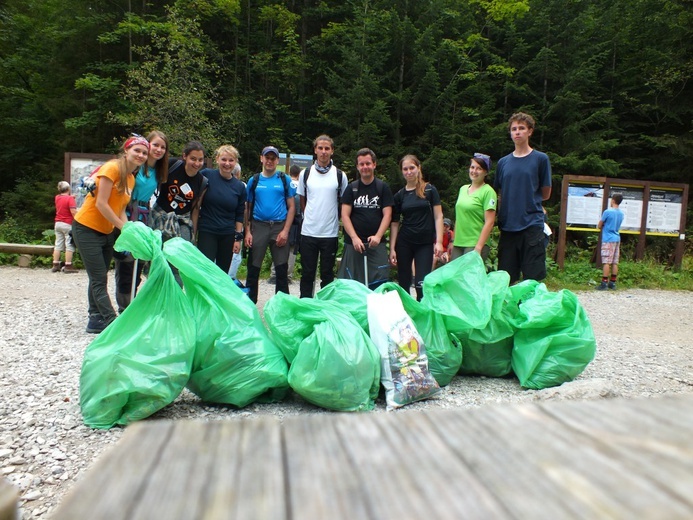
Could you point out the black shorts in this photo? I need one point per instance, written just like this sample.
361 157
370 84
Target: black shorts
523 252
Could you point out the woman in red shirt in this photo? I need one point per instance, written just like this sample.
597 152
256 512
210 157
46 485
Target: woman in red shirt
65 209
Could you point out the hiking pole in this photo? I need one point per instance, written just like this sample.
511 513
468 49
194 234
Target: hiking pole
134 280
365 266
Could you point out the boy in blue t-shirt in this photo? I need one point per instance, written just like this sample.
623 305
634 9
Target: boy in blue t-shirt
610 223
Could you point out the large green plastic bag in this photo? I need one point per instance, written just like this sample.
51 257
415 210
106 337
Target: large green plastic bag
142 361
236 362
351 295
554 341
334 364
459 292
291 320
404 371
443 349
488 351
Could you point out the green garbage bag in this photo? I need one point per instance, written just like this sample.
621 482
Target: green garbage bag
291 320
351 295
142 361
443 349
518 293
554 340
236 362
459 292
334 364
488 351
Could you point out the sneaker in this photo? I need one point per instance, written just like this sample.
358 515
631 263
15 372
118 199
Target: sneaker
69 269
56 267
602 286
96 324
612 285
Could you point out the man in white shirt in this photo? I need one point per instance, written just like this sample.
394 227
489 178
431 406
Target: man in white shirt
320 187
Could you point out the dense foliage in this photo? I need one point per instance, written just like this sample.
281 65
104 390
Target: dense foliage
607 82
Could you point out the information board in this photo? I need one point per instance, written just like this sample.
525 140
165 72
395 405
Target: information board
302 160
631 206
649 207
664 211
584 207
80 169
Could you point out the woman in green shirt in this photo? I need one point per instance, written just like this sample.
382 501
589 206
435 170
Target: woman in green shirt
475 210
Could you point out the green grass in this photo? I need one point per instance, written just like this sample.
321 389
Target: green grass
579 275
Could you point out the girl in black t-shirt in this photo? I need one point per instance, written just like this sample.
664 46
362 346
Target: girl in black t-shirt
419 235
178 204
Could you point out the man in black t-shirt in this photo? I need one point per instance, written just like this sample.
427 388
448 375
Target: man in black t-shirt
366 214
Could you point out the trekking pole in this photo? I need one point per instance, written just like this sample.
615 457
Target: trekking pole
365 267
134 280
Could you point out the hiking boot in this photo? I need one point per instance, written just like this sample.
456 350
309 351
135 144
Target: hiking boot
612 285
69 269
56 267
602 286
96 324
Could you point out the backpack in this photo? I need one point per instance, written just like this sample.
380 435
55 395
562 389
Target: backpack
340 175
256 179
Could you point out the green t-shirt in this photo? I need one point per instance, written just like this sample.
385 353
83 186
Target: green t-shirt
470 214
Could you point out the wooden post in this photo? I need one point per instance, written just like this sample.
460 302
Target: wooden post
9 505
560 245
681 241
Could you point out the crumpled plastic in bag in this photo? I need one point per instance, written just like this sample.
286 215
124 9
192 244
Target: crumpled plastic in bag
142 361
554 340
236 362
334 364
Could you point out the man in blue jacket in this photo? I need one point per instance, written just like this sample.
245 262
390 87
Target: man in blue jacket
270 213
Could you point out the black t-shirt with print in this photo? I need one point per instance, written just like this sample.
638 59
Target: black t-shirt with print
180 191
367 207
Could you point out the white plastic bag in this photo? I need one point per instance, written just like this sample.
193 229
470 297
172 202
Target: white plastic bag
404 364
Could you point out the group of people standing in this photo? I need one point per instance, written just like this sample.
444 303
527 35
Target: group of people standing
221 213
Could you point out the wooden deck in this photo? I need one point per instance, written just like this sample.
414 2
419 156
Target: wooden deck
583 460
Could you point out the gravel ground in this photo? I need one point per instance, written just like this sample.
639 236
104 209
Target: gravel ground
643 340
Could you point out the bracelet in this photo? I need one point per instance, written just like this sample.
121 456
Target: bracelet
238 237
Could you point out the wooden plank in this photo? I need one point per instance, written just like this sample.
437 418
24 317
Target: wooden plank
322 481
407 468
175 489
118 476
26 249
9 501
650 438
524 453
261 477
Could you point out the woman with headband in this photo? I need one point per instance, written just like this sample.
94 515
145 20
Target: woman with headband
475 210
147 179
94 224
